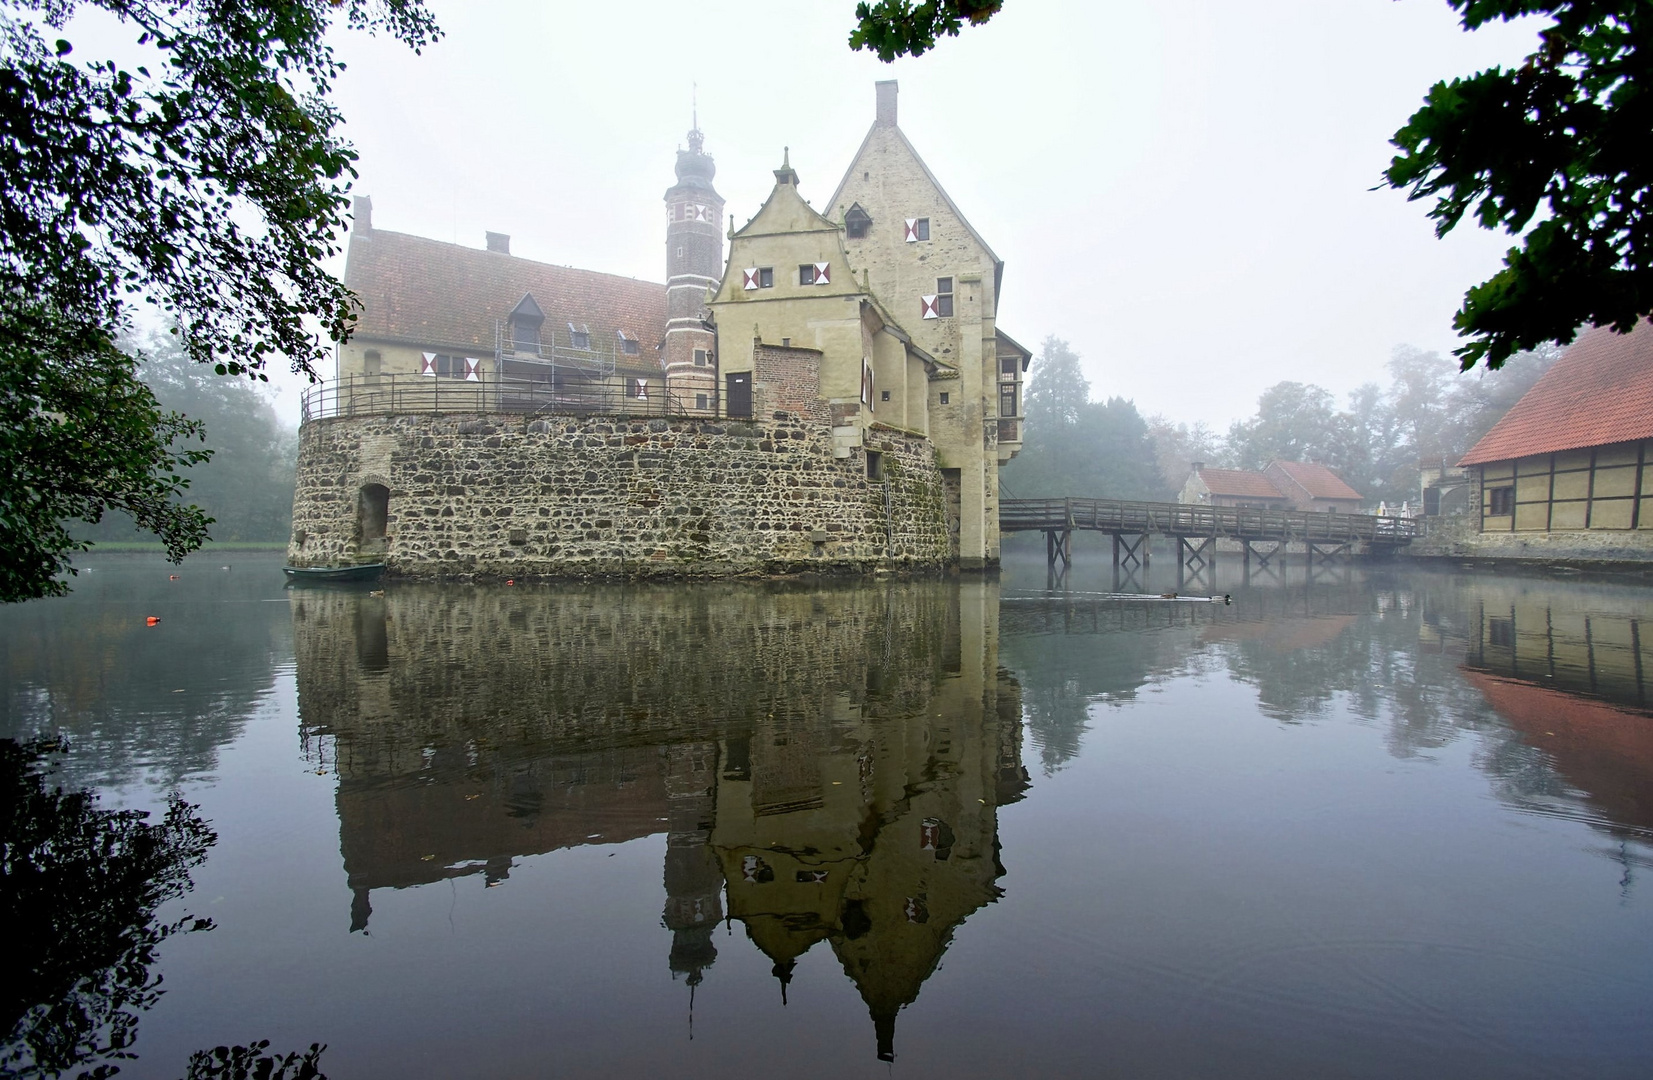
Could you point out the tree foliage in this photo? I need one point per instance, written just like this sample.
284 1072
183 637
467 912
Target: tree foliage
892 28
1561 139
80 436
1429 410
206 183
247 488
1294 422
1178 445
1076 446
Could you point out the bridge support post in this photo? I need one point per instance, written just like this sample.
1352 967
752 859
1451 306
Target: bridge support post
1198 558
1059 548
1327 555
1128 554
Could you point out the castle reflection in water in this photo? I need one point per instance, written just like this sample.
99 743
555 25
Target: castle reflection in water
829 764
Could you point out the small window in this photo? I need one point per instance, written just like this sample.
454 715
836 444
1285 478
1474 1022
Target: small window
1502 502
945 397
1009 365
884 396
1007 399
450 367
806 274
875 465
700 358
1501 632
766 277
944 297
917 229
857 222
700 401
580 335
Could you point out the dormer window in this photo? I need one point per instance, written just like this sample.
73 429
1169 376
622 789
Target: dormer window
857 222
629 346
580 336
526 319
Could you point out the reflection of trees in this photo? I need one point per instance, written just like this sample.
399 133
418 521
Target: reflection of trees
79 894
1069 656
1550 676
1379 646
86 667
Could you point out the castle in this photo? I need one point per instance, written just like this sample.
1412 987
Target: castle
835 395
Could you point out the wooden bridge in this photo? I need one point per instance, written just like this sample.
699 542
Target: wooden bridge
1262 533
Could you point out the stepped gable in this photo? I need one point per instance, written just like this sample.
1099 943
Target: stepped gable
427 292
1240 483
1319 481
1599 392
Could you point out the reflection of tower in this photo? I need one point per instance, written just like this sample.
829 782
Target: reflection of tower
694 880
694 264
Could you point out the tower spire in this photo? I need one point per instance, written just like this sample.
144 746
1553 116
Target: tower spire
696 139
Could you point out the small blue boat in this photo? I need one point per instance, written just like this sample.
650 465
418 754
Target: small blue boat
334 574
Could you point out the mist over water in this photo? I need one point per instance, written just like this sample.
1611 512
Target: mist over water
1373 822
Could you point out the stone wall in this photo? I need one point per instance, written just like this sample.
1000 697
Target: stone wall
526 496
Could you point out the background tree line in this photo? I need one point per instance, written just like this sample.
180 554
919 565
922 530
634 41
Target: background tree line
246 486
1106 449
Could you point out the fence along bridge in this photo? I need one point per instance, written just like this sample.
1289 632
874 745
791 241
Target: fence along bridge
1263 534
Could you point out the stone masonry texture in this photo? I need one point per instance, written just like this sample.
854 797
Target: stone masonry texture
506 495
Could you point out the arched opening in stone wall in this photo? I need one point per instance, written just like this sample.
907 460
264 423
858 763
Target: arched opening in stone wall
372 512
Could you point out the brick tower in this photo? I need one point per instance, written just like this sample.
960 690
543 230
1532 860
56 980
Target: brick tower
694 265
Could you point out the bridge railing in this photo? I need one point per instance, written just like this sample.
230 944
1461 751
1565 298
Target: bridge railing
1181 519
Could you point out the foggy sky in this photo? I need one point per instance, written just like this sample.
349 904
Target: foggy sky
1181 190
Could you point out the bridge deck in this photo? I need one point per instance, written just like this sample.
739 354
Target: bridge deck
1125 518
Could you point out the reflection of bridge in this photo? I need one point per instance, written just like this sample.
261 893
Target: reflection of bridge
1262 533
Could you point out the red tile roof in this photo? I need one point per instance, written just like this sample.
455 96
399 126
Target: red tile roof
1599 392
1241 483
1319 481
427 292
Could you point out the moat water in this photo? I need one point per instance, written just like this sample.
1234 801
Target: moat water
1381 823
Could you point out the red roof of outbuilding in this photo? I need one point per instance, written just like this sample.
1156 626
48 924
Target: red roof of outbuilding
433 293
1599 392
1318 480
1241 483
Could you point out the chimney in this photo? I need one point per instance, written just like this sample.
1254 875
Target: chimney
361 213
886 102
500 242
1197 465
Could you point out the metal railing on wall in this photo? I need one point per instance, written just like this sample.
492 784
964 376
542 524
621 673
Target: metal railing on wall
388 395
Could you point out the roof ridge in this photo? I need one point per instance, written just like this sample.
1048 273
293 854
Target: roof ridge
456 246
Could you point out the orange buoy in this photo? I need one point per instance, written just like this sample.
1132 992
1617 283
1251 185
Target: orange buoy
152 620
510 581
172 577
